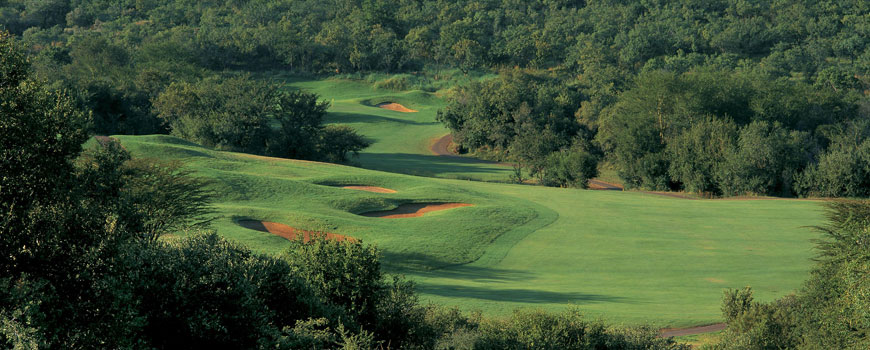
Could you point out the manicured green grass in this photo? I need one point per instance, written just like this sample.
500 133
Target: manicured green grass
624 256
627 257
401 140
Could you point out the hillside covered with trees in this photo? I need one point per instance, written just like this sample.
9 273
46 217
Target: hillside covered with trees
782 85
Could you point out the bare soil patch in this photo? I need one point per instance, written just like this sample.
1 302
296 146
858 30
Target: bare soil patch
395 107
374 189
291 233
441 146
673 332
413 210
595 184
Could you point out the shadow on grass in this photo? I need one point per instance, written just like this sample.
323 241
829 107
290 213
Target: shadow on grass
346 117
429 165
426 266
517 295
422 265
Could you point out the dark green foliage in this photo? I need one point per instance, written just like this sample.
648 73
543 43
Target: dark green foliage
525 118
403 35
717 132
842 170
756 326
168 198
492 114
100 74
836 299
698 155
570 168
568 330
13 62
340 143
765 161
207 291
229 114
300 116
40 132
346 275
637 73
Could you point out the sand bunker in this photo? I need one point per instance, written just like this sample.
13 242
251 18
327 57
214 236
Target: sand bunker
374 189
289 232
413 210
395 107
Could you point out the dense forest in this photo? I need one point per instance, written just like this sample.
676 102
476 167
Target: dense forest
636 85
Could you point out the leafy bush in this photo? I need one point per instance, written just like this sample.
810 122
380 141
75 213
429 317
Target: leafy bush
567 330
570 168
340 143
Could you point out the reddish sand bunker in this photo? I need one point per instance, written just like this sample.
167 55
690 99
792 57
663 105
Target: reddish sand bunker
370 189
289 232
413 210
395 107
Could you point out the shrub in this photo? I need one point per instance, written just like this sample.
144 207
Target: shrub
570 168
567 330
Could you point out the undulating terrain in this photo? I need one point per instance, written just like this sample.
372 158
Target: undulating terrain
629 257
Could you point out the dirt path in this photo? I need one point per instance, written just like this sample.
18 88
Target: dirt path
395 107
595 184
413 210
441 146
290 233
374 189
671 332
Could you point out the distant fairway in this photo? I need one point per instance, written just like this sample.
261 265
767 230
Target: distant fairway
628 257
402 141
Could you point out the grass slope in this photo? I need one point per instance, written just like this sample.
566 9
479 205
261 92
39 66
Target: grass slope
628 257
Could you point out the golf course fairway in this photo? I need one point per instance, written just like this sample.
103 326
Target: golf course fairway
626 257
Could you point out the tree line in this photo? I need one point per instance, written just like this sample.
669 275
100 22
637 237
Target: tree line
641 80
713 130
